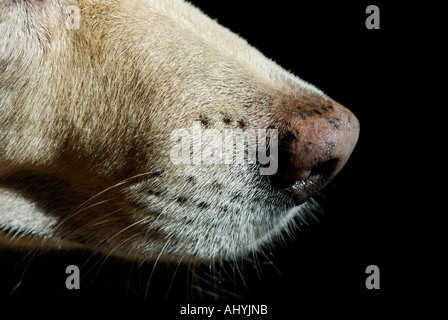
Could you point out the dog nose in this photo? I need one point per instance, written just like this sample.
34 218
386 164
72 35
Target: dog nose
315 142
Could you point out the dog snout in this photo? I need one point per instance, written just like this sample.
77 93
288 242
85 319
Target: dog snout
315 141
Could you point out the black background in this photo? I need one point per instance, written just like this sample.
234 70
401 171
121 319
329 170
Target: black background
365 208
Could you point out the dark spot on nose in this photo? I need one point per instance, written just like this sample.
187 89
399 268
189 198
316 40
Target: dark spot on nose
289 137
334 121
241 124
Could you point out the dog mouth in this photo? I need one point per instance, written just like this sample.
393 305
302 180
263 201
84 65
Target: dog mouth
302 190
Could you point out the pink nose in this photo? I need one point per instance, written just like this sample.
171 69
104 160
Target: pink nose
315 142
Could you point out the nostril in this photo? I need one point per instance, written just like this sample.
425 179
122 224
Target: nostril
325 169
320 172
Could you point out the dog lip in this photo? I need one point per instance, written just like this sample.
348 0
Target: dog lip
304 189
301 190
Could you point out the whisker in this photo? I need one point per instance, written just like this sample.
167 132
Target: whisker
114 186
175 271
113 249
95 222
99 221
81 207
160 254
128 282
33 254
215 294
270 261
71 215
193 275
120 244
84 274
256 264
130 226
240 272
153 268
